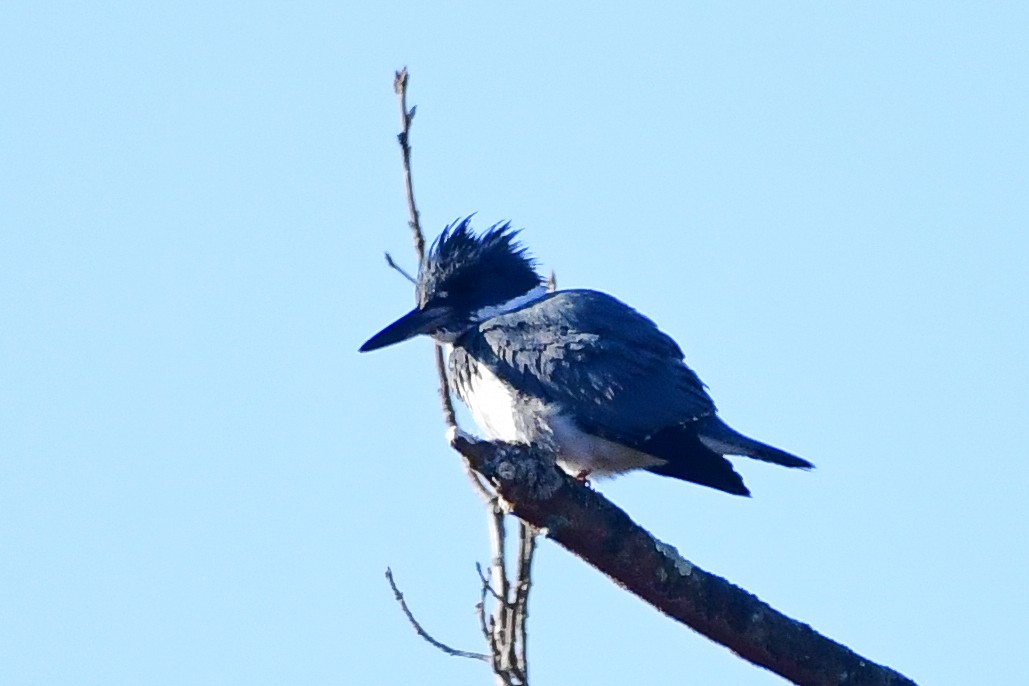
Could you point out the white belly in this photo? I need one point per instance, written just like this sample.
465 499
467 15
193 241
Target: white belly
580 453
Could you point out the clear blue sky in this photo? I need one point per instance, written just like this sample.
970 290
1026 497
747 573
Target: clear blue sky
201 481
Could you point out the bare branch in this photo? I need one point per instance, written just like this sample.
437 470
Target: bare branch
422 632
592 528
498 581
498 543
523 584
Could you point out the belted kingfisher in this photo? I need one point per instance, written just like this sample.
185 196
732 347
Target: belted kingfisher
576 369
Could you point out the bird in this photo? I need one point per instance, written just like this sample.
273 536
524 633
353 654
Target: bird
576 370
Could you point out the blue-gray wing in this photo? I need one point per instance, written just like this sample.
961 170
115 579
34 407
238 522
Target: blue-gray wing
608 366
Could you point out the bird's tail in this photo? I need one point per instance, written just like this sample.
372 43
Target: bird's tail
724 440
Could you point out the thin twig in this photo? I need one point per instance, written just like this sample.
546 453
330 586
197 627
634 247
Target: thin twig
422 632
393 265
406 115
488 628
526 551
404 138
481 611
484 578
498 569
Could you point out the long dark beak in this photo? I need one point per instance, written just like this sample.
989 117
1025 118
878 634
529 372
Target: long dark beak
415 322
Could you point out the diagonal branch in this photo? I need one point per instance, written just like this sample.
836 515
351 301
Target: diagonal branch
592 528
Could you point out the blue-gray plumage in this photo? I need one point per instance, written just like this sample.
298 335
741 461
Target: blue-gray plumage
577 369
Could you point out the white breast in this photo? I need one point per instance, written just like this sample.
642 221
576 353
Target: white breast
492 404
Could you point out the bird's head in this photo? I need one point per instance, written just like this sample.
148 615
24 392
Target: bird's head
465 279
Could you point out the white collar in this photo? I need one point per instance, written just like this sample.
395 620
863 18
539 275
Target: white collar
511 305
